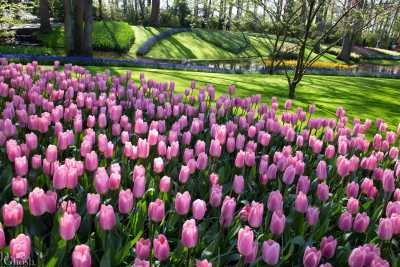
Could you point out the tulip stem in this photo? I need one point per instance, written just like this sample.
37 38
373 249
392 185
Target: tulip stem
188 257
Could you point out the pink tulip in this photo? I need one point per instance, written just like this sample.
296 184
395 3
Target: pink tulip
361 222
161 247
139 186
245 241
107 217
312 215
20 248
21 166
91 161
288 175
253 255
275 201
203 263
13 213
51 153
92 203
37 202
227 211
101 181
142 248
215 195
323 192
199 208
270 252
81 256
68 226
303 184
328 246
125 201
165 184
352 190
156 210
321 170
184 174
238 184
158 165
255 217
19 186
311 257
189 234
301 203
345 221
2 237
385 229
182 203
278 221
141 263
357 257
352 205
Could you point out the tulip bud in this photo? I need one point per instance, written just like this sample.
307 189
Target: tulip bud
125 201
142 248
245 241
227 211
81 256
270 252
19 186
156 210
277 225
312 215
182 203
345 221
161 247
301 203
328 246
255 217
107 217
199 208
361 222
189 234
20 248
311 257
92 203
275 201
385 229
13 213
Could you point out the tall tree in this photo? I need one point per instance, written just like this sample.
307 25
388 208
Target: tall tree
78 27
155 13
44 13
100 9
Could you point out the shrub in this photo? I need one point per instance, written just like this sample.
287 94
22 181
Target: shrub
107 35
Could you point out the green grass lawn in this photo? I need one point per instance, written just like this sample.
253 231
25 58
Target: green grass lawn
361 97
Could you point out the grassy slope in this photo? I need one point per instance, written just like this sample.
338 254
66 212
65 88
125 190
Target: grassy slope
141 35
362 97
189 45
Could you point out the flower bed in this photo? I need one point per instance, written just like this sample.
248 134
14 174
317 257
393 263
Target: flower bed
100 170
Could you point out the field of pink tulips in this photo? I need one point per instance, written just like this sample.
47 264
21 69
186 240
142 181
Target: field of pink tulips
102 170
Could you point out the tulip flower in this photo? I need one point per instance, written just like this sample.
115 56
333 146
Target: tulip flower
20 248
190 234
161 247
270 252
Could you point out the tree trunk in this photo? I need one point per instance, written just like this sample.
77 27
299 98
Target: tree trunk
155 13
78 27
228 24
292 90
100 9
87 38
221 14
68 27
44 13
